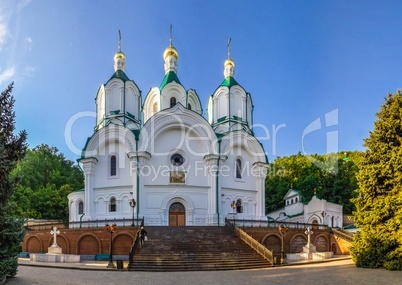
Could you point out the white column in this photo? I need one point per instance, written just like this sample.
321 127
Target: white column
211 164
89 170
137 161
260 172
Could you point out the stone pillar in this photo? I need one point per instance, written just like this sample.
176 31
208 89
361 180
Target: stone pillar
260 173
137 161
212 171
89 170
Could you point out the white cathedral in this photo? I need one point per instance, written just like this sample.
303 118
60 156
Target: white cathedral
162 160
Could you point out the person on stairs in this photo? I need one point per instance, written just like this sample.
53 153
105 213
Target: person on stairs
143 236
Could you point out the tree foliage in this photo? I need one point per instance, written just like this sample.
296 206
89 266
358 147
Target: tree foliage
379 196
12 149
45 178
307 174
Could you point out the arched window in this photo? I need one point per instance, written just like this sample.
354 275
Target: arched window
172 102
113 165
287 202
238 168
112 204
189 106
80 208
155 108
239 207
291 201
296 200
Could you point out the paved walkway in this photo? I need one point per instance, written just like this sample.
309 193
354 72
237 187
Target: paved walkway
341 271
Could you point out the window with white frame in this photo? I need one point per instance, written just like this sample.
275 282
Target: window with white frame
80 208
172 102
112 204
113 165
239 206
238 168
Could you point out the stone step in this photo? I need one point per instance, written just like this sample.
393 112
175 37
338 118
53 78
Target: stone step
195 248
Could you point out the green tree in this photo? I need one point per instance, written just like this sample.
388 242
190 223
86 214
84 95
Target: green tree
300 172
379 196
45 178
12 149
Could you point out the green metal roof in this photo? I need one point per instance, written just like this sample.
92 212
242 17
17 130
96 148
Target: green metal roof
229 82
120 75
169 77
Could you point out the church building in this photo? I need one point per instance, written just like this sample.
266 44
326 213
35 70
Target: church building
160 159
315 211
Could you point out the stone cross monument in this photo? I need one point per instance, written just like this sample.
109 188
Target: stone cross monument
308 232
309 248
54 232
54 248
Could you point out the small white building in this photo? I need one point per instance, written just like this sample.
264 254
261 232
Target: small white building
177 166
316 211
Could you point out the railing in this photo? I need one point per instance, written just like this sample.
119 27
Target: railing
343 235
83 224
275 224
253 243
135 246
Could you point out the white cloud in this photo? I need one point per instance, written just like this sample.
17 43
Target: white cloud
3 35
7 74
29 42
29 71
23 3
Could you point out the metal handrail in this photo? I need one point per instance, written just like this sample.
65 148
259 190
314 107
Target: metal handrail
346 236
253 243
82 224
244 223
133 248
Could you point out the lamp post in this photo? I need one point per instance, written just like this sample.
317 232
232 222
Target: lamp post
132 205
283 229
111 230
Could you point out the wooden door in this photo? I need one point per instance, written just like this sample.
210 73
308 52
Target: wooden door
177 215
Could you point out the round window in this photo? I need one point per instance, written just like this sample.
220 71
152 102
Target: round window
177 159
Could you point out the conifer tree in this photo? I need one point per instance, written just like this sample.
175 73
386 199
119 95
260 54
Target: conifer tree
12 149
379 196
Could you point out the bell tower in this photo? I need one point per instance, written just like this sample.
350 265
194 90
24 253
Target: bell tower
119 100
230 107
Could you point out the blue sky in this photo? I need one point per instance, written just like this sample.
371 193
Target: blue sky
304 62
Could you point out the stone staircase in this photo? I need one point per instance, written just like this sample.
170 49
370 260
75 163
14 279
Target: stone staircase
195 249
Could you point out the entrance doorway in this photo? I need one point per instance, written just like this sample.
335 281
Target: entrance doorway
177 215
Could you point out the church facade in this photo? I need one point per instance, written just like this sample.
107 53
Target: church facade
160 159
315 211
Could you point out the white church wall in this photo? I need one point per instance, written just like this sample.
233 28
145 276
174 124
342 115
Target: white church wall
102 177
100 101
157 200
173 89
73 199
131 99
249 112
102 198
237 103
294 209
151 103
222 105
248 202
114 95
194 101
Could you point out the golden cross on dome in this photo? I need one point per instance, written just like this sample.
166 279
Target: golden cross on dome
119 41
229 41
171 34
